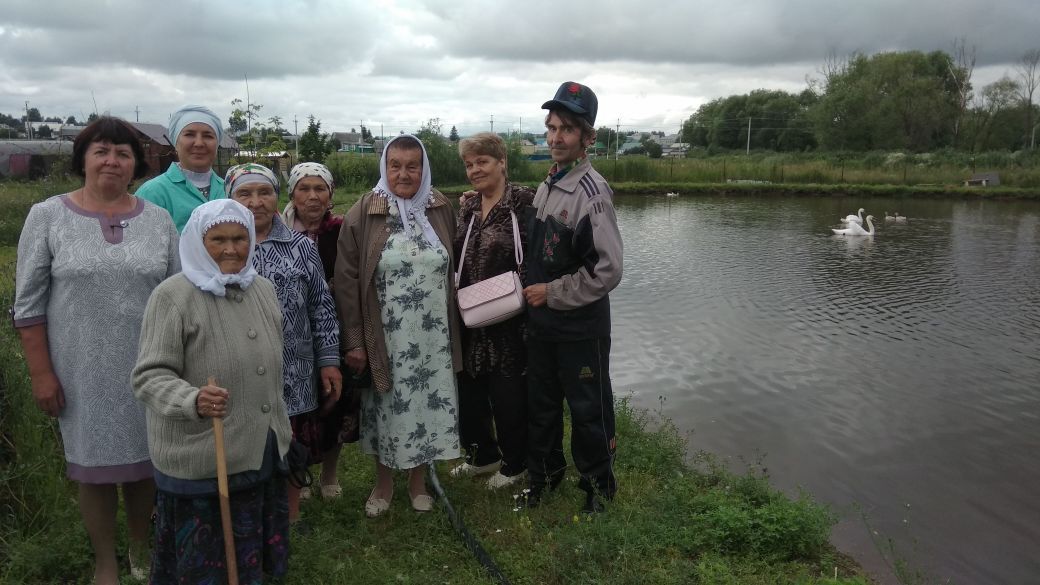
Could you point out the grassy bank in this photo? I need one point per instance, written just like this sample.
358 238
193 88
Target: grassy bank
677 519
939 170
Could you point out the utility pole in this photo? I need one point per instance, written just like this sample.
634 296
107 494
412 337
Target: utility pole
296 131
28 124
748 153
137 113
249 108
492 123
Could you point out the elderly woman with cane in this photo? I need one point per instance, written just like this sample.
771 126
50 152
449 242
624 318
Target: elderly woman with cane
211 347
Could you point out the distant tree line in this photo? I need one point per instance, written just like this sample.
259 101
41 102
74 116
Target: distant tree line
909 100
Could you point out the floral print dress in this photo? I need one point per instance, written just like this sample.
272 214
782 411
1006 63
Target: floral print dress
416 422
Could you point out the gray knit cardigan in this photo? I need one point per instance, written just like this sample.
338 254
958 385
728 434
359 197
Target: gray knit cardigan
189 335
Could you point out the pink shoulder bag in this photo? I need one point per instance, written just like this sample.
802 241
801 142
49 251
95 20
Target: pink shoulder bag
494 299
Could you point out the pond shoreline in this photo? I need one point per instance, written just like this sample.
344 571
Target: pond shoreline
807 190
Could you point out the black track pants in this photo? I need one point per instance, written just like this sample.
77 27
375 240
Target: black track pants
577 371
488 399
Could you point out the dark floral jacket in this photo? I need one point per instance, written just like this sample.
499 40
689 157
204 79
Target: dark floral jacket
496 349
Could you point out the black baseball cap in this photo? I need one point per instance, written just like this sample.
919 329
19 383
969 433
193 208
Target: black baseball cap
577 98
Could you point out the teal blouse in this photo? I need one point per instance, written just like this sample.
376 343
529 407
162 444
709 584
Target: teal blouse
177 195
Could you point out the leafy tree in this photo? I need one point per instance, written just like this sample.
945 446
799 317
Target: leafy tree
454 136
609 138
33 116
897 100
366 135
71 121
92 117
653 149
314 146
1028 68
779 121
244 118
445 164
44 132
994 122
10 121
54 119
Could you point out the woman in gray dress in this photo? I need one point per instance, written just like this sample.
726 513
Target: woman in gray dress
87 262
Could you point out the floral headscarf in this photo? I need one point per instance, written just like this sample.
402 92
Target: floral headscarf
196 263
244 174
310 169
413 210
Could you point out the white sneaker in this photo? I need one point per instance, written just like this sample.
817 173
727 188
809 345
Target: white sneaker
498 480
467 470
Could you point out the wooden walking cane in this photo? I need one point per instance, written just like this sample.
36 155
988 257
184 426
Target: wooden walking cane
225 501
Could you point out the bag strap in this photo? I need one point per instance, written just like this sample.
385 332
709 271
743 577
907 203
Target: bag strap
462 256
518 250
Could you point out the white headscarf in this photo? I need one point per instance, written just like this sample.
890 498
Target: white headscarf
197 264
413 210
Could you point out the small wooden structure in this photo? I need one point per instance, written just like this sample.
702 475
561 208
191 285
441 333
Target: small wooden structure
983 180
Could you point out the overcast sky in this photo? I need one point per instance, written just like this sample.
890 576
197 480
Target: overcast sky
397 63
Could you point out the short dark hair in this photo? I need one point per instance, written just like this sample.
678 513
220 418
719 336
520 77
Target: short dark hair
588 133
113 130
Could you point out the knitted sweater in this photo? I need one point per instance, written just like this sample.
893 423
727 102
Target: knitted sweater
189 335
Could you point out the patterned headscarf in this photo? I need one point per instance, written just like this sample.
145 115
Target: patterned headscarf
310 169
247 173
190 114
196 263
412 210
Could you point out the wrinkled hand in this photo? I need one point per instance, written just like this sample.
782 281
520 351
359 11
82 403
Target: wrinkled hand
357 360
211 402
48 393
536 295
331 387
466 195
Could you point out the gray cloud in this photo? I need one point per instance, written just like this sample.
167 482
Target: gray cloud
400 62
739 32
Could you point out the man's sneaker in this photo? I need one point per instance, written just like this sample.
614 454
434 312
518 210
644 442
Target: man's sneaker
467 470
500 481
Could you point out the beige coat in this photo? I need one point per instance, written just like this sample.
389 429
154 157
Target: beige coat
361 242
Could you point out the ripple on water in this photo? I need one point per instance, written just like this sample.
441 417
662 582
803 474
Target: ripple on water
898 368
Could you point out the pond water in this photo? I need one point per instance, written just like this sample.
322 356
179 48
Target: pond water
895 378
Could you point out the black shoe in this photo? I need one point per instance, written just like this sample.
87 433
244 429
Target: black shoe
527 499
593 504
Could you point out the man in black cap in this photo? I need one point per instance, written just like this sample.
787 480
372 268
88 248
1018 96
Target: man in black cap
574 260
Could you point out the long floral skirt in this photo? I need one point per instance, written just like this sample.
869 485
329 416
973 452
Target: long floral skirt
189 540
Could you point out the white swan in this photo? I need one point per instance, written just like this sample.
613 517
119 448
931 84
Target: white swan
889 217
899 218
850 219
855 229
671 194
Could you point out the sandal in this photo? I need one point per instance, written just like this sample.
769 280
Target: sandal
422 503
329 492
376 506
